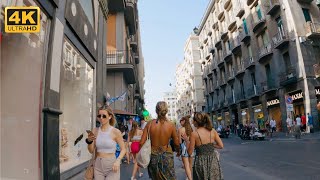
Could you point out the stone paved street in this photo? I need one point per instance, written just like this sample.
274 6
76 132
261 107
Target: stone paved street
282 158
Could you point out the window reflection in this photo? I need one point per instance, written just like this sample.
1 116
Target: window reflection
76 100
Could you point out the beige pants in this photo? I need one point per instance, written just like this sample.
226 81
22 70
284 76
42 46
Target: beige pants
103 169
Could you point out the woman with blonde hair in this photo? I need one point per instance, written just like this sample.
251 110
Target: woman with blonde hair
103 140
161 166
204 140
134 138
186 129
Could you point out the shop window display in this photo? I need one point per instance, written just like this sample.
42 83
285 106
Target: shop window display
245 116
76 102
22 62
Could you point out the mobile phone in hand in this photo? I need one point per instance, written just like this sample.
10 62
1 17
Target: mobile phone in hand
89 132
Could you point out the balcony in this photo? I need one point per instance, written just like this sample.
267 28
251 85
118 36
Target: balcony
227 56
312 30
305 1
224 34
240 69
220 64
289 77
241 97
223 82
251 2
245 36
231 75
236 45
231 100
273 6
227 4
116 6
130 16
134 43
250 62
122 61
136 58
280 40
259 23
268 86
252 92
218 43
239 8
221 10
265 52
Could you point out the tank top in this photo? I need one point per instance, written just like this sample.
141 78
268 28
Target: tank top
136 138
104 141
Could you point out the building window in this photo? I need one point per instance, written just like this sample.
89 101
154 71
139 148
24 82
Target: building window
287 62
76 103
242 88
306 14
87 6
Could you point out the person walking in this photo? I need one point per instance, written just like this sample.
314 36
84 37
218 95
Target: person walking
161 166
103 140
186 158
289 125
273 125
303 122
310 122
134 138
298 122
204 140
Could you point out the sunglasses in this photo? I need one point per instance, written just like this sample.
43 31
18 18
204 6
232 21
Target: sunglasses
101 116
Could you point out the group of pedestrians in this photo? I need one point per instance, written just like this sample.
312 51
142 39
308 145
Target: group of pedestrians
199 143
299 124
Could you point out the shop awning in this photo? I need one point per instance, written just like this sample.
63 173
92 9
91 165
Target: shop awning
121 112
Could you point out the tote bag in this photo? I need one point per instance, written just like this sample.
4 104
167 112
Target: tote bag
143 156
90 169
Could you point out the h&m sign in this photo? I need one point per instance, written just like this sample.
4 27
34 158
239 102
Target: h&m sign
273 102
297 96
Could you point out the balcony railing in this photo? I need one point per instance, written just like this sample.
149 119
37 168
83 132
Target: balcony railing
250 62
268 85
272 6
281 39
288 77
239 8
245 35
119 57
258 21
240 67
312 29
265 51
236 45
231 74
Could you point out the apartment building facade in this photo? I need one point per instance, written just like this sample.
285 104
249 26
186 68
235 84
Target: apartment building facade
256 54
171 99
125 63
189 86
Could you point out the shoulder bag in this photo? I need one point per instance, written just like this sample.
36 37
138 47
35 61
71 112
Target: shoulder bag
143 156
89 174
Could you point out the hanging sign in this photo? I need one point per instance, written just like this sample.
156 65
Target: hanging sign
297 96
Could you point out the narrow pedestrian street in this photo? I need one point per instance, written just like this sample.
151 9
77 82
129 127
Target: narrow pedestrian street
280 158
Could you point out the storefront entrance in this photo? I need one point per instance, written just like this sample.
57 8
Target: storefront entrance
298 103
245 116
274 112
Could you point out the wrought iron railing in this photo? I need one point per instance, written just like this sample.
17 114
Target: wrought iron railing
119 57
279 37
312 27
265 49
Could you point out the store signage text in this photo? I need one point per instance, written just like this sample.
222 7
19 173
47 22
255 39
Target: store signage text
273 102
257 110
297 96
317 91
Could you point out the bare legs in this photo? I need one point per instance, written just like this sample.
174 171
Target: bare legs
135 168
187 166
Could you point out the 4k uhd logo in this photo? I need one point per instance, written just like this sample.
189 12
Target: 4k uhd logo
22 19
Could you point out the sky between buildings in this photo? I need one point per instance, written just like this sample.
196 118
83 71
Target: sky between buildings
165 26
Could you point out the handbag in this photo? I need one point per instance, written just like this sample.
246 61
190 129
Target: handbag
143 156
89 174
